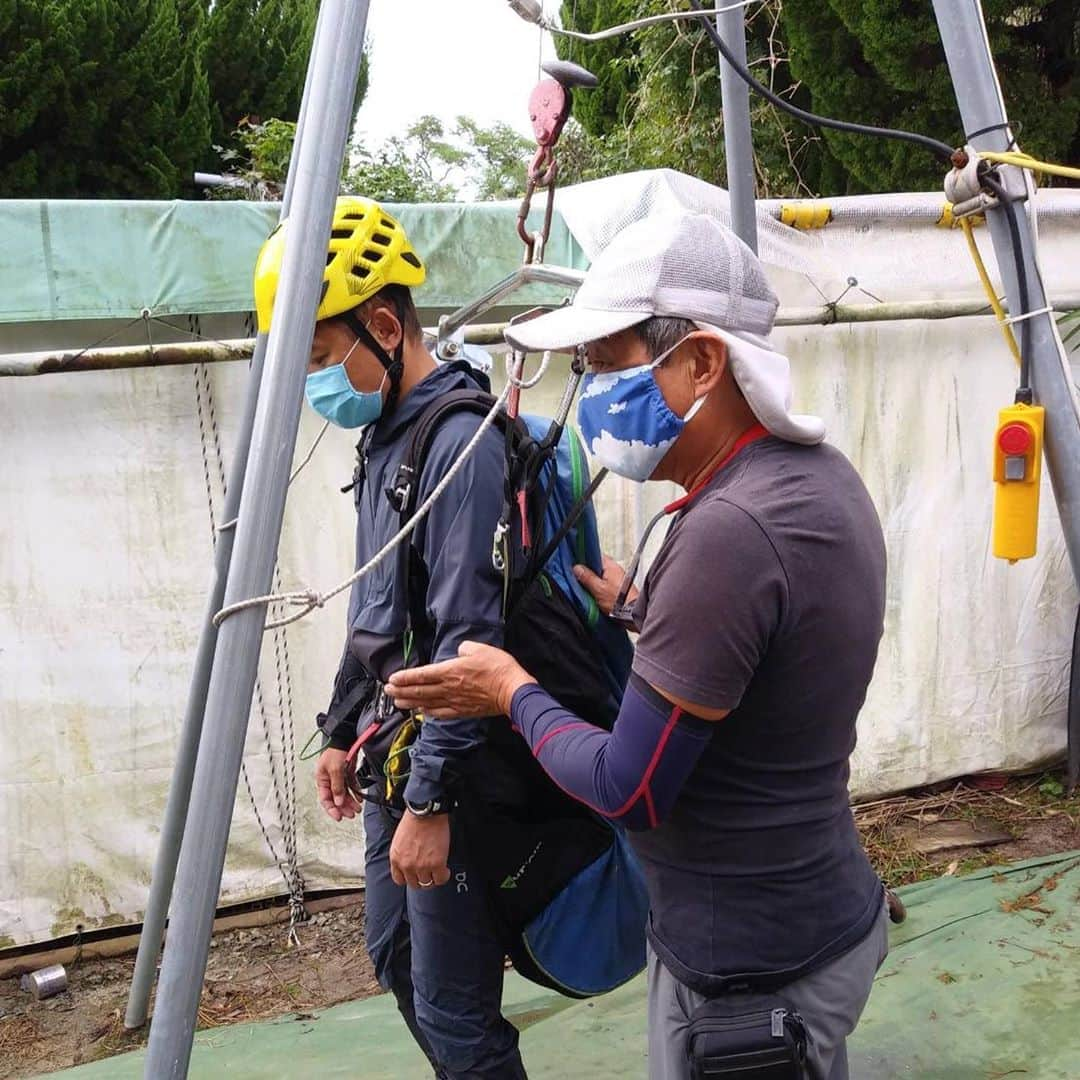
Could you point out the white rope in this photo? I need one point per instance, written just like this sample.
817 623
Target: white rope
512 365
311 452
308 599
295 473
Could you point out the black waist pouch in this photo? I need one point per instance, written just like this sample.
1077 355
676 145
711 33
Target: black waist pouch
747 1037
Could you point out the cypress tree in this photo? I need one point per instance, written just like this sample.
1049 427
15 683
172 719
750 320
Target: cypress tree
882 62
256 58
42 57
101 98
138 147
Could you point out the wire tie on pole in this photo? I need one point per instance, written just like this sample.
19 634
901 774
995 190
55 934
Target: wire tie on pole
1048 310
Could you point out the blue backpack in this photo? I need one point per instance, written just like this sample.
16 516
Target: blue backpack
565 889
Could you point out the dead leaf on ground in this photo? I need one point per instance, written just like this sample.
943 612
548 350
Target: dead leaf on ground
1027 902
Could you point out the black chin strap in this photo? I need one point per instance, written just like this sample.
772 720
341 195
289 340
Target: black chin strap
395 365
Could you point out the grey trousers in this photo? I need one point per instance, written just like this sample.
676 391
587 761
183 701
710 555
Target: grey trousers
831 1000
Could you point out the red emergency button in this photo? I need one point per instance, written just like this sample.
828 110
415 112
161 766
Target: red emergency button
1015 439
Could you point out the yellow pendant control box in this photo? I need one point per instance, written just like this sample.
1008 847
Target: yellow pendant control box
1018 445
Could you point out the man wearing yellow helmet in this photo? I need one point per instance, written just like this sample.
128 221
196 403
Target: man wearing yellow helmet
429 929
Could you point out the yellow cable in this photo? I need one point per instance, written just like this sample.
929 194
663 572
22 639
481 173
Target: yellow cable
1026 161
984 277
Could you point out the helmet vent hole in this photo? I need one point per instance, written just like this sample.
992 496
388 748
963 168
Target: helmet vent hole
381 239
341 234
411 259
360 271
371 256
388 224
353 216
330 257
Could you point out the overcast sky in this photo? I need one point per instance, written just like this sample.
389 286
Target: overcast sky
449 58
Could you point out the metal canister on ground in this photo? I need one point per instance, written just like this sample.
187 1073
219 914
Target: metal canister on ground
46 982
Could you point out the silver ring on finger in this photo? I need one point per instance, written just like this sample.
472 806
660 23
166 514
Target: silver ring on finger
426 884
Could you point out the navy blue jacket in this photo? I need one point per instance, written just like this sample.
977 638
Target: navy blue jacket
463 599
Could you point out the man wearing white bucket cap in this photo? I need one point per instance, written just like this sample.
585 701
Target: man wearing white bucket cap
759 626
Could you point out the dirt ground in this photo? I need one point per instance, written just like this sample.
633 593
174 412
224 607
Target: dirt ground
252 974
1031 811
256 974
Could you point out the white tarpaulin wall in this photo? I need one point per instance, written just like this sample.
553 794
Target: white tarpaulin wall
105 561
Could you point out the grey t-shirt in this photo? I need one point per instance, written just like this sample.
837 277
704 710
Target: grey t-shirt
767 598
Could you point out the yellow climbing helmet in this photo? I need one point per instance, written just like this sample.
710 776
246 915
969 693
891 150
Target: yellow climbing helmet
368 250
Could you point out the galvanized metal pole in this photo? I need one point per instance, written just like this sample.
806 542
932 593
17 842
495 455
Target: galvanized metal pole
202 854
738 138
967 50
187 747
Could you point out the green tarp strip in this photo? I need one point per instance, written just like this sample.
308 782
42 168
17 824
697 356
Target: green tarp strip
982 982
74 259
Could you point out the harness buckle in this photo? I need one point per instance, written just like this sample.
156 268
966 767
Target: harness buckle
400 490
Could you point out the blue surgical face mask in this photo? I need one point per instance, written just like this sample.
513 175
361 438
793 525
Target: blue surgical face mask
625 421
332 396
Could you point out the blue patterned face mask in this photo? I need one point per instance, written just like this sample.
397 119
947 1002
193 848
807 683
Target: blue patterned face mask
625 421
332 396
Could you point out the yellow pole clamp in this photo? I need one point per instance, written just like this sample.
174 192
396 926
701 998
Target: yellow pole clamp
949 220
809 214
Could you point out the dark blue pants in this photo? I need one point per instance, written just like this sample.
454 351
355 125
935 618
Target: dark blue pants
437 952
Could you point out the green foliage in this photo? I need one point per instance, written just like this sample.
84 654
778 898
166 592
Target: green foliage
257 156
499 154
38 47
93 100
875 61
658 104
1052 788
1069 328
424 165
614 62
256 58
415 168
881 62
139 148
431 165
122 98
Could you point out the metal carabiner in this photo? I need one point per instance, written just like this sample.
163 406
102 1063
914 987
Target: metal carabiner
498 556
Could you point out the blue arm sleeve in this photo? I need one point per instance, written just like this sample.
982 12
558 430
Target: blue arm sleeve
464 596
632 774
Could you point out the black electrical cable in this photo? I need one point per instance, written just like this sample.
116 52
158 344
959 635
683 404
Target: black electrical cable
1008 207
938 149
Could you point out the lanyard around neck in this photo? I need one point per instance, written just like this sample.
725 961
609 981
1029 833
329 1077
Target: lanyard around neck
621 611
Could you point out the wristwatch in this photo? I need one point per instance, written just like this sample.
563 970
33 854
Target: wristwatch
429 808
